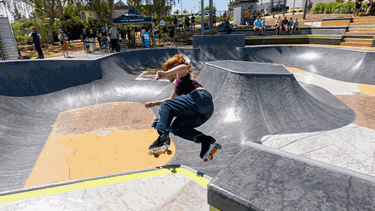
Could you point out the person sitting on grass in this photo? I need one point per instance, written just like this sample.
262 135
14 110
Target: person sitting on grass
290 25
285 24
263 25
257 24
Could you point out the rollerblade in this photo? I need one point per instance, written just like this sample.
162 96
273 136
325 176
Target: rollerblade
209 147
160 146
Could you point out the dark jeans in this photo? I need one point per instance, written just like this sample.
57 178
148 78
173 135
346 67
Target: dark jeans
191 111
38 48
100 41
114 43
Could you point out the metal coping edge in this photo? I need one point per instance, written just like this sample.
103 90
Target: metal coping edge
249 73
167 167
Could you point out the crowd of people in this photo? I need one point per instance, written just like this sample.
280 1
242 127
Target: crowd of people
288 26
115 39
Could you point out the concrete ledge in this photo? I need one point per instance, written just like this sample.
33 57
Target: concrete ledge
336 23
299 39
262 178
336 19
328 30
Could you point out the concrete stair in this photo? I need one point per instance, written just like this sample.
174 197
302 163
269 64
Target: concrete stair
360 32
357 42
7 40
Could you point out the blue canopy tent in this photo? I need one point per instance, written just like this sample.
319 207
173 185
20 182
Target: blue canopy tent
132 16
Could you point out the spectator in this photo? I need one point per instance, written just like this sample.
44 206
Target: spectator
295 26
290 25
263 25
193 21
83 39
227 27
114 37
63 43
242 17
142 36
180 22
175 22
128 31
206 28
310 6
278 26
171 33
214 20
132 35
37 41
123 38
285 24
104 39
370 9
153 34
92 37
225 16
187 22
357 8
257 25
98 37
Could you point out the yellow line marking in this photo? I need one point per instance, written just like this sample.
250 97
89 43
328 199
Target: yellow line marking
295 70
101 182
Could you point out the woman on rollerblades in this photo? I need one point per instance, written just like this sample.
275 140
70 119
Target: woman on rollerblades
190 103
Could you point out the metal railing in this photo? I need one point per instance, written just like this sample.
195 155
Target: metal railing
11 30
1 53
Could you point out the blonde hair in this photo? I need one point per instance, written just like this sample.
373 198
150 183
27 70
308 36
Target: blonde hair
175 61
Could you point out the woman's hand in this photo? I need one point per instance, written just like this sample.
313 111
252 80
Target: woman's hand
150 104
160 75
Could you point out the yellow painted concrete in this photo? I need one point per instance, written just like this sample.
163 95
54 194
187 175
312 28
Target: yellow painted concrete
101 182
72 157
295 70
336 23
367 89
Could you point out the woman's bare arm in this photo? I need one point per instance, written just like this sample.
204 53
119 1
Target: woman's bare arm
181 71
172 96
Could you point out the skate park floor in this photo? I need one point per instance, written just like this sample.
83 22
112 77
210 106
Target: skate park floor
178 188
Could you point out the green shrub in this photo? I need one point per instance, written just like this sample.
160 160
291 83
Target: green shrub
334 7
42 28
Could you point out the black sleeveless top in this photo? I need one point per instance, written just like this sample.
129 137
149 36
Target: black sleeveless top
185 85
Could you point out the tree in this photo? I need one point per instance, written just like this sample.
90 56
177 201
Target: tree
208 8
103 11
185 11
232 3
48 10
177 12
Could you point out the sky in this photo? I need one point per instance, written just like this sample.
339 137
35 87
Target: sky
189 4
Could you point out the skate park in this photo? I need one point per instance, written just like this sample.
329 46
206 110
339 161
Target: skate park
289 140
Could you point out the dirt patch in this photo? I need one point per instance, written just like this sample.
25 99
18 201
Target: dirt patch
363 107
